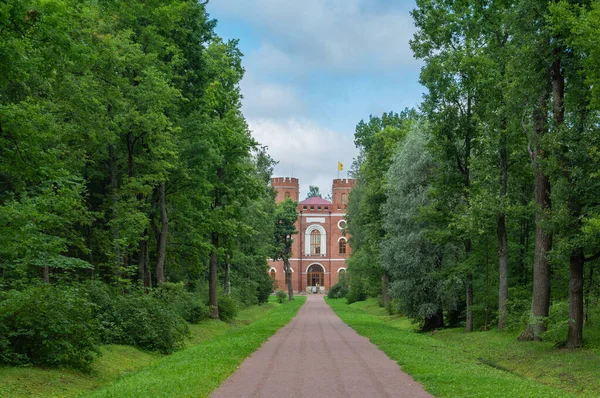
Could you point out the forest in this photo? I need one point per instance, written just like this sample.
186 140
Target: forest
481 208
133 197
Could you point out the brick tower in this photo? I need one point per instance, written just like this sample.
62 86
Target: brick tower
340 192
286 187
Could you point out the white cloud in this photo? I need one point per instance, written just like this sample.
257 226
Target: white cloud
309 149
344 35
267 99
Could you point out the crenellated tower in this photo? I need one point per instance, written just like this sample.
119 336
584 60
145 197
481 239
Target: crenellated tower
340 192
286 187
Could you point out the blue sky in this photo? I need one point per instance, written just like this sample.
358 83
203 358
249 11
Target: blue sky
314 69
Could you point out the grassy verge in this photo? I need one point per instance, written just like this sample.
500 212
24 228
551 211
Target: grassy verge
198 370
451 363
123 362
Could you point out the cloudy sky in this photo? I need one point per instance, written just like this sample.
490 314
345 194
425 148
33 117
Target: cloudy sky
314 69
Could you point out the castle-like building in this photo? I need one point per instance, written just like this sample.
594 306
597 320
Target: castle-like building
320 248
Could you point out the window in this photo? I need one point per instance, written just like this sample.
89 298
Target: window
344 199
315 275
272 273
341 270
287 195
343 246
315 242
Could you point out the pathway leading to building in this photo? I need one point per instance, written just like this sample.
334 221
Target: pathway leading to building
317 355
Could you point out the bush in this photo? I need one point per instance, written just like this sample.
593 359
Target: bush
145 322
265 288
190 307
227 309
281 296
337 291
356 293
51 326
186 304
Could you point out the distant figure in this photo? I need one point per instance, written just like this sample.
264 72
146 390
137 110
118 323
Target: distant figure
318 290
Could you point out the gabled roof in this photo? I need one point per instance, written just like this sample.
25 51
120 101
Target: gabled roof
315 200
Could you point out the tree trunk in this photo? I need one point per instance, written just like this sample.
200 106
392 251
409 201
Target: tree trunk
575 333
469 292
212 278
144 273
46 274
540 305
435 321
226 278
142 247
117 258
385 289
503 238
587 293
469 286
290 285
162 247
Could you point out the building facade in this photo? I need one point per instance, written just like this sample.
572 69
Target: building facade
320 248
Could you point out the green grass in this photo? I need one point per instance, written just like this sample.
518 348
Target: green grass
452 363
119 363
198 370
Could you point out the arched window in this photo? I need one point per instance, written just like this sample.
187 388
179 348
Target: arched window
341 271
315 275
272 273
343 246
344 199
315 242
287 195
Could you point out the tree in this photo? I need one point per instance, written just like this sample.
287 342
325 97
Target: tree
286 215
313 192
412 260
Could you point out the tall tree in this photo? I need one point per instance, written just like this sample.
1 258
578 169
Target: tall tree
286 215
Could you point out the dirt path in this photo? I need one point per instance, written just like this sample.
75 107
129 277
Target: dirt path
317 355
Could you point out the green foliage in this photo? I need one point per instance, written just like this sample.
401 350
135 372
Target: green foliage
47 326
228 308
356 292
281 296
145 322
152 322
340 289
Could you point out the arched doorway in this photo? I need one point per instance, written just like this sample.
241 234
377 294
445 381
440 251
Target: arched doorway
315 275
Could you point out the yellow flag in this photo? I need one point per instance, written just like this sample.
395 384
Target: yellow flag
340 166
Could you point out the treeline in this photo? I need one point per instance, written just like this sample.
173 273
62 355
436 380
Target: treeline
483 207
125 158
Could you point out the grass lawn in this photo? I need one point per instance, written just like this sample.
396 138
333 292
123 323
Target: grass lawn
214 351
451 363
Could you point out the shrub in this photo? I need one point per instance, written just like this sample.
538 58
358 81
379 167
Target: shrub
227 308
356 292
146 322
337 291
265 288
281 296
186 304
47 325
190 307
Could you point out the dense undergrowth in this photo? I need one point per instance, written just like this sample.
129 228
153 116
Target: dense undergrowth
450 362
63 325
121 361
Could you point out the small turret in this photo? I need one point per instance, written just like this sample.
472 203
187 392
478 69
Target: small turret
340 192
286 187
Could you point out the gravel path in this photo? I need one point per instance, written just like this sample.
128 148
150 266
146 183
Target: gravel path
317 355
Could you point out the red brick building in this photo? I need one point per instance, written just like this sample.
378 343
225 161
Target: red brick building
320 250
